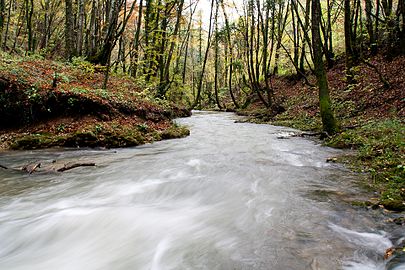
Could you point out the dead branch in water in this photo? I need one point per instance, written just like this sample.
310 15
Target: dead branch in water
31 168
75 165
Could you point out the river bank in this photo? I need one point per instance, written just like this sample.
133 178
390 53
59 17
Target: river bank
371 117
46 104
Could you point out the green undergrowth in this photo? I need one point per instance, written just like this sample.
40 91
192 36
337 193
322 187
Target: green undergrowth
380 146
302 122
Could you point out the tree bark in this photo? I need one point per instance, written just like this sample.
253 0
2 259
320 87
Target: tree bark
328 119
370 27
80 27
134 60
29 11
216 46
165 81
69 34
349 53
7 26
228 36
200 82
2 16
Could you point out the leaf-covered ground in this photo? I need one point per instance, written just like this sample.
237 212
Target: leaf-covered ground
371 117
46 103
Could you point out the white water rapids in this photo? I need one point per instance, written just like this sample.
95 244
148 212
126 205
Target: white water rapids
230 196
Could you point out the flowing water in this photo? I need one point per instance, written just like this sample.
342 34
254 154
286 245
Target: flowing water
230 196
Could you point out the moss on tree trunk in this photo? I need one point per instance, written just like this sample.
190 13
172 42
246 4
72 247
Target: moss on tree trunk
328 119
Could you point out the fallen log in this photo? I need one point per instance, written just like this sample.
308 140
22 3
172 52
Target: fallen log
67 167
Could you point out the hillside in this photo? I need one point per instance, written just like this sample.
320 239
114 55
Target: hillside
46 103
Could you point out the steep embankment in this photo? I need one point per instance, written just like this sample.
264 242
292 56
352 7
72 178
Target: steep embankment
371 115
45 103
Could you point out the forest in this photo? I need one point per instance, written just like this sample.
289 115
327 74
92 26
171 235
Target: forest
335 67
293 157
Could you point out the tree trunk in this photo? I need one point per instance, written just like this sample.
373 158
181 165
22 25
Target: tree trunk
370 27
92 30
187 44
328 119
17 28
281 26
80 27
330 55
148 31
200 82
7 26
228 35
112 32
295 35
2 16
348 43
216 46
29 11
69 31
401 30
305 29
164 83
134 60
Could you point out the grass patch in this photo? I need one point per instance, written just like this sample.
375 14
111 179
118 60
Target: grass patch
302 122
381 152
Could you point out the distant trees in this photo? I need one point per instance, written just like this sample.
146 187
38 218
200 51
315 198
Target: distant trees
226 62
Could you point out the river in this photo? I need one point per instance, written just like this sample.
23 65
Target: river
229 196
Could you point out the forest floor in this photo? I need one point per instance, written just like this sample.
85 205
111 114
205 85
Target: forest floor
46 104
371 117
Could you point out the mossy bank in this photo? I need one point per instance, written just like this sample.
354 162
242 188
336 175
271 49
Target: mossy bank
47 104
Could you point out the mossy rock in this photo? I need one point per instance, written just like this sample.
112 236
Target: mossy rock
393 205
82 139
175 132
364 204
122 141
37 141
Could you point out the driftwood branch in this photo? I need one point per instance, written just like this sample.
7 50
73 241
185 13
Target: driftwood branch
322 135
34 167
75 165
31 168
